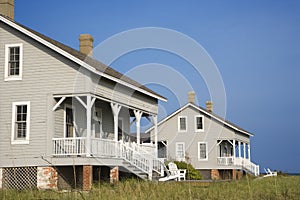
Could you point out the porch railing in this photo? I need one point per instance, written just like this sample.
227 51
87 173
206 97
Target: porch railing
241 162
134 154
226 161
104 148
69 146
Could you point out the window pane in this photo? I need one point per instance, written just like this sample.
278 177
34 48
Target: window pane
21 121
182 123
202 149
14 63
17 50
21 130
199 123
180 151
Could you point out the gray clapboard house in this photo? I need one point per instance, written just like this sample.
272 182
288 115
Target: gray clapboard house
64 113
213 145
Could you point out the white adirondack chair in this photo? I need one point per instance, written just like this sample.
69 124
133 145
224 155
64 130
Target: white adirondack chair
269 173
175 173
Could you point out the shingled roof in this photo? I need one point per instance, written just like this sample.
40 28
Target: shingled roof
100 67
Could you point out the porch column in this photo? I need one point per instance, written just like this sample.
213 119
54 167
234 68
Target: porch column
239 149
155 132
89 106
233 143
116 109
138 115
249 157
244 144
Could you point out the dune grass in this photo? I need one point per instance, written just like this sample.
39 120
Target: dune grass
282 187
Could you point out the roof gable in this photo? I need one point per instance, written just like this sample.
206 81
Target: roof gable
89 63
210 114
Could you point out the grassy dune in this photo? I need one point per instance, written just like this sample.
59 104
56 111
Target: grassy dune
282 187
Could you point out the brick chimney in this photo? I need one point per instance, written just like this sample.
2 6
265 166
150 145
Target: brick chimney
209 106
191 97
86 44
7 8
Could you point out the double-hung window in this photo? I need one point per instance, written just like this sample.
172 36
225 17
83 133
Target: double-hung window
13 62
199 123
180 151
182 123
202 151
20 122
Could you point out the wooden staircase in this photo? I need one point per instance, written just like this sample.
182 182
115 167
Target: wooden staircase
141 163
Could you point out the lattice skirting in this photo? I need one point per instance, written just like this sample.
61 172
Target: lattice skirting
19 178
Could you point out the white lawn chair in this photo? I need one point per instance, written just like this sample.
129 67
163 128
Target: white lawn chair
269 173
174 173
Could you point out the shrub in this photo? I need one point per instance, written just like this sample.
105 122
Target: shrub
192 173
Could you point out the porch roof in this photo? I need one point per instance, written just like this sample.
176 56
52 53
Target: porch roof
91 64
67 95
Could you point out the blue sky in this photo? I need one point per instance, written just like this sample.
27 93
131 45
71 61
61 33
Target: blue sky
255 44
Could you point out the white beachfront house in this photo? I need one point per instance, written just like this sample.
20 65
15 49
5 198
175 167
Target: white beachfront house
213 145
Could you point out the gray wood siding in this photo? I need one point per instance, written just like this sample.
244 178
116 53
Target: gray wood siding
46 73
41 76
213 131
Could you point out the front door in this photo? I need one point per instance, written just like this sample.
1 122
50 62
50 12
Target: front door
162 149
69 129
97 123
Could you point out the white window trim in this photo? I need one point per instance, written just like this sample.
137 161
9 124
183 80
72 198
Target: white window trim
65 118
13 78
205 150
19 141
199 130
186 124
183 146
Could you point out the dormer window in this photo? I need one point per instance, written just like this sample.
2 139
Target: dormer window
13 62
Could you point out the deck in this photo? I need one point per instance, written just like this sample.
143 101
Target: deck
143 156
244 163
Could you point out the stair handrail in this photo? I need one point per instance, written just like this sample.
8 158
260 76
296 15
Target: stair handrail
135 158
154 159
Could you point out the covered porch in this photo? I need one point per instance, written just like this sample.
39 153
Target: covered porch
90 125
236 153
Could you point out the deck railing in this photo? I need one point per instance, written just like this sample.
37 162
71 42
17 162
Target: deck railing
241 162
69 146
225 161
136 155
104 148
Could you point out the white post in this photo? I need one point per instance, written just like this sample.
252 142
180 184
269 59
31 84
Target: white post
249 157
116 109
233 144
155 133
88 124
150 169
239 148
244 144
138 115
